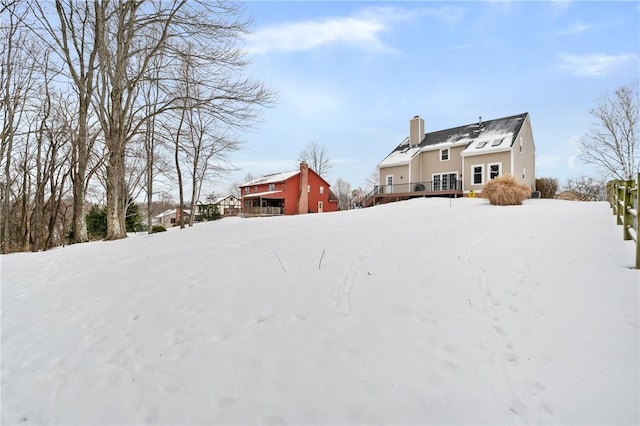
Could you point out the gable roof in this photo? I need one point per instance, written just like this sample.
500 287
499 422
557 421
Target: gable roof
279 177
470 135
218 199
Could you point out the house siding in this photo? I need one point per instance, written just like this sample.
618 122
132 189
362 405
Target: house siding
400 175
527 158
484 160
431 163
416 169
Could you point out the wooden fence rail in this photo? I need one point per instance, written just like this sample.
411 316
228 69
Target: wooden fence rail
623 197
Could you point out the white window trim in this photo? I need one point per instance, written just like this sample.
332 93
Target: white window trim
433 175
448 154
481 174
489 170
521 146
321 189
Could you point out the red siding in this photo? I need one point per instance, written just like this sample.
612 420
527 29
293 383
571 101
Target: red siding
291 190
315 182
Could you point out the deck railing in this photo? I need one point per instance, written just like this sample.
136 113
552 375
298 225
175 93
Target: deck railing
263 211
623 197
429 187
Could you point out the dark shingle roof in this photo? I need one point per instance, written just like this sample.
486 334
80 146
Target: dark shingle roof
510 124
463 134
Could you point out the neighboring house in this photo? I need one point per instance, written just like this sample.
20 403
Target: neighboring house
456 161
167 218
171 217
296 192
228 205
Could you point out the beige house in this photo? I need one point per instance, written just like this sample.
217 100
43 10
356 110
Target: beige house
456 161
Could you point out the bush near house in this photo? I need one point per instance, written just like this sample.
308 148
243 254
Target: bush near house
506 191
548 187
157 228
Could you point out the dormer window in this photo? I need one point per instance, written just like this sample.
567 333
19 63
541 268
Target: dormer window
444 154
481 145
497 142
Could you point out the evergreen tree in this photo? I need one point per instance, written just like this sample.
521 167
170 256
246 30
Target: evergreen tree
134 218
97 222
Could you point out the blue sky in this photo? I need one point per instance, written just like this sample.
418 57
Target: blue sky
350 75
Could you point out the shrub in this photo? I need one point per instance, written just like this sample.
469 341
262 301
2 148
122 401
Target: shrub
548 187
97 222
506 191
157 228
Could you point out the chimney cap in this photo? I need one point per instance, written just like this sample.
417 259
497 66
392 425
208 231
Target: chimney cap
416 116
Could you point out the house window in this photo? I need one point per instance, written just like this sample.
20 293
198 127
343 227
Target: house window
272 187
255 189
308 188
494 170
444 154
445 181
247 189
523 173
477 172
321 189
481 145
497 142
520 144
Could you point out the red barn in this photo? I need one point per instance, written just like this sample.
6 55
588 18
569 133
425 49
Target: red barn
296 192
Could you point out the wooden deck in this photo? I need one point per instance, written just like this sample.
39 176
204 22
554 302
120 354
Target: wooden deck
392 197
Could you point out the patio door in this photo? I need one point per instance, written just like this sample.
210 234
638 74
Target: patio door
389 188
445 181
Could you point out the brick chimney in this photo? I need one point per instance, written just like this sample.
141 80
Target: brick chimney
303 201
416 130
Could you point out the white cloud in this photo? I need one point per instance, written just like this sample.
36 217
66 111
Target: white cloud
575 28
363 32
593 65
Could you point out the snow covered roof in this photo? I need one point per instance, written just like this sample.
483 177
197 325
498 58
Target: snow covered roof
401 155
218 198
472 135
490 142
165 213
272 178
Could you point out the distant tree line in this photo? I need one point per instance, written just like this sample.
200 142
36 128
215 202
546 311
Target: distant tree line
110 100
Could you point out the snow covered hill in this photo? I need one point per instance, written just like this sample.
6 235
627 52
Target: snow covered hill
429 311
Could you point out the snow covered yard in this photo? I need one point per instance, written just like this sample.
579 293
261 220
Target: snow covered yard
429 311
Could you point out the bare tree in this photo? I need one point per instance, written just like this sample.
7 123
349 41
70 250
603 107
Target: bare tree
136 32
75 34
372 181
343 192
18 76
613 143
316 156
586 188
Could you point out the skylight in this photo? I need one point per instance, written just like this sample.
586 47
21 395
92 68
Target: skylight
481 144
497 142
